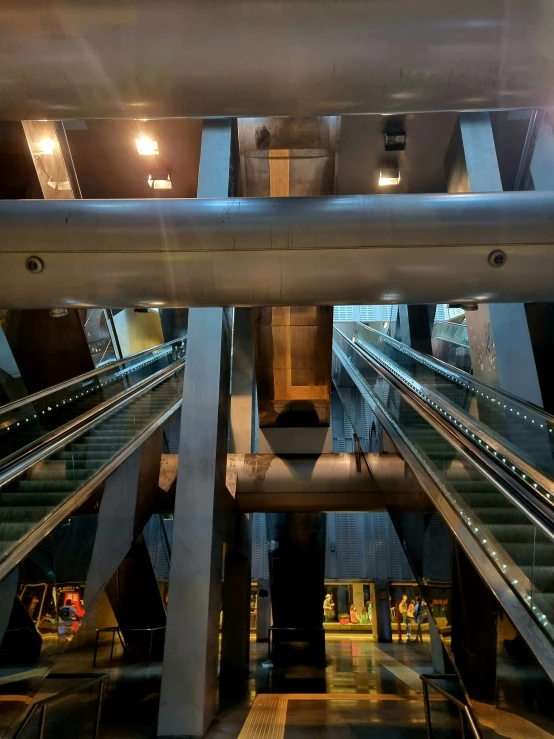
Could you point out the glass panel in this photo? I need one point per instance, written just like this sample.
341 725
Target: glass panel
516 546
522 428
29 499
26 424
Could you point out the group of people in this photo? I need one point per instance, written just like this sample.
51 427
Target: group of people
411 613
363 616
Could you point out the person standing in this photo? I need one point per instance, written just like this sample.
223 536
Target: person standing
403 608
418 615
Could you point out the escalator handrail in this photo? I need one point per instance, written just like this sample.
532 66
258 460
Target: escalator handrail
541 514
63 435
476 429
512 602
88 375
10 559
447 369
42 706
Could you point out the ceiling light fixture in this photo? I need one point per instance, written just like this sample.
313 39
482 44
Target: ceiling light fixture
42 148
147 147
160 181
46 146
395 141
389 176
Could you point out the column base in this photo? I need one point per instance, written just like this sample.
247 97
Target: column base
292 647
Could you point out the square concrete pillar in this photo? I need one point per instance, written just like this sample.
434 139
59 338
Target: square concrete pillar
498 333
202 503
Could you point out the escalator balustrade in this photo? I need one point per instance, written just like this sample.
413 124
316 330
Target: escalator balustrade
52 477
510 536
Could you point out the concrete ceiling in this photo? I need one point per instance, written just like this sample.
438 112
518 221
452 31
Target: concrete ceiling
324 155
108 164
362 153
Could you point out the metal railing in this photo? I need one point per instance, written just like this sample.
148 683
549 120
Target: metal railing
89 375
42 706
463 708
532 501
119 631
22 460
12 557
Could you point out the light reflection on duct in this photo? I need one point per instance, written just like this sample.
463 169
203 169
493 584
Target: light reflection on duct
160 181
389 176
61 185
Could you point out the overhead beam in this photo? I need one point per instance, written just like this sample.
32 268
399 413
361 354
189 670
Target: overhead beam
278 251
323 482
67 59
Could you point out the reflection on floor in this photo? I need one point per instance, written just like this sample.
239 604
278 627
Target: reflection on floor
369 690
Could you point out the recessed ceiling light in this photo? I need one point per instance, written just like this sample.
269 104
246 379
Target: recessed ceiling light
160 181
389 176
147 147
42 148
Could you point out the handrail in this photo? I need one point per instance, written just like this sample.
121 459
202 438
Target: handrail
525 469
61 436
516 608
45 702
463 708
444 367
86 376
541 513
119 631
11 558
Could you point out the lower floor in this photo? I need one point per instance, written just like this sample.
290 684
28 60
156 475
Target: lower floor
365 690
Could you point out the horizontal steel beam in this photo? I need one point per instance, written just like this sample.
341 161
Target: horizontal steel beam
325 482
289 251
63 59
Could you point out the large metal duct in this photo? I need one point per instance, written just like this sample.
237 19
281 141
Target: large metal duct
325 482
64 59
290 251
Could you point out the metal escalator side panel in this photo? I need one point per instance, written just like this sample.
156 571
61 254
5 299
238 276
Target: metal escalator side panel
519 461
517 591
43 495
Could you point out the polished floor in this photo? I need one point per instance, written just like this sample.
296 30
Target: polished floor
367 690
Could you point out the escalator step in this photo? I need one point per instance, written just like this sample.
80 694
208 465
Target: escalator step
530 554
501 515
513 533
541 577
23 514
47 486
32 499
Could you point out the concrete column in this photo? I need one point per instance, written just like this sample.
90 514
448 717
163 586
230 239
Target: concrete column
263 620
542 164
540 316
380 602
474 625
235 639
498 333
415 323
189 679
116 526
242 383
202 502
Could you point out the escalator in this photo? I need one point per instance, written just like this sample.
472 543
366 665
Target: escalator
58 445
485 459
